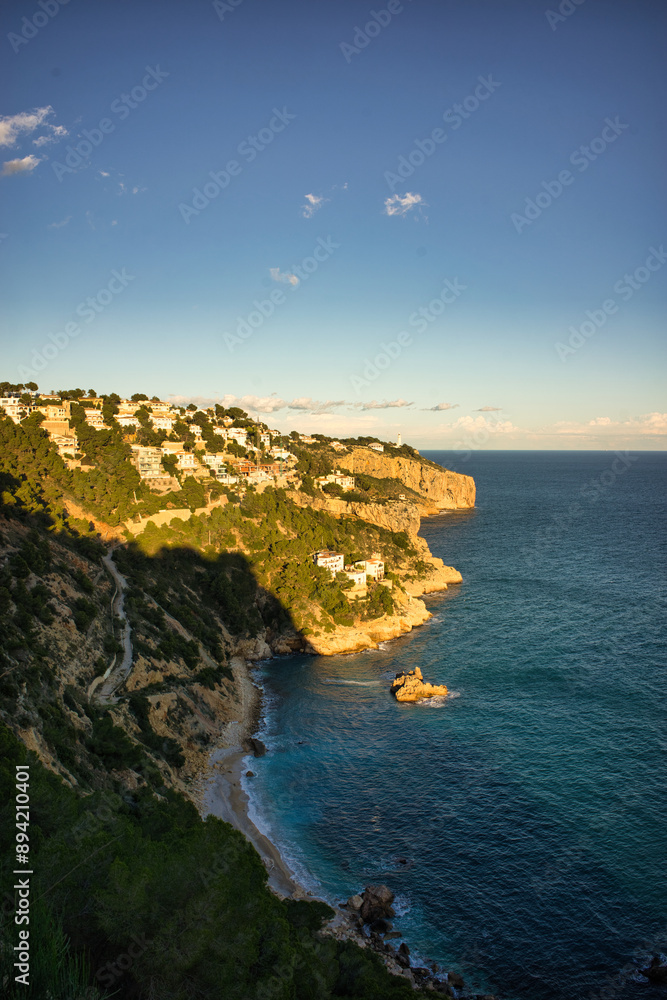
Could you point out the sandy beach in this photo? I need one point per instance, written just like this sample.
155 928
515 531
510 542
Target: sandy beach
224 797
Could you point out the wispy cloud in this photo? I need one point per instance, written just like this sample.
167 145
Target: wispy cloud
285 277
401 204
263 404
313 203
59 225
384 405
12 126
488 409
439 407
314 405
21 166
57 132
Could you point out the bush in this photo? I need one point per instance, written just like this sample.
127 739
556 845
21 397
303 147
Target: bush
84 613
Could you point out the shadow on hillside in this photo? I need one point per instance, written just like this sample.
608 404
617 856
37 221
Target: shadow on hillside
195 587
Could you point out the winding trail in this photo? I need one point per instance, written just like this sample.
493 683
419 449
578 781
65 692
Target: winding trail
104 687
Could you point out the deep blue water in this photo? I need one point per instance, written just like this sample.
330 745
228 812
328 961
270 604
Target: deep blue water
531 805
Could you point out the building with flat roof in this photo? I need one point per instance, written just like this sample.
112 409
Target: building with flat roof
333 561
148 462
357 576
372 567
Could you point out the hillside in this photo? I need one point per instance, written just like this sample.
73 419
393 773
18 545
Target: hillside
118 759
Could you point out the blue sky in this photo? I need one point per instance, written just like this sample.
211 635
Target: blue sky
541 202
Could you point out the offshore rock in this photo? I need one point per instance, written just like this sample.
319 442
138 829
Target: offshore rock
412 687
377 900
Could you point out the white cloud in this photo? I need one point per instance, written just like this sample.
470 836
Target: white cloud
24 166
58 132
600 428
397 205
263 404
476 424
384 405
441 406
315 406
12 126
283 276
488 409
313 203
59 225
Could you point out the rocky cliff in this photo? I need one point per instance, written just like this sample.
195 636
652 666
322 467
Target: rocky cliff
444 489
395 516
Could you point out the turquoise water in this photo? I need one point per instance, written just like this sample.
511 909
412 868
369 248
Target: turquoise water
530 805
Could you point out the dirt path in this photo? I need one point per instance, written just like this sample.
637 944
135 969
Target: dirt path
117 672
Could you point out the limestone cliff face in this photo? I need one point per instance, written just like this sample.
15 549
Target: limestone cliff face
446 490
392 516
368 635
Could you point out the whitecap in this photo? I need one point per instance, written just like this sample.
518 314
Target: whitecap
340 680
439 700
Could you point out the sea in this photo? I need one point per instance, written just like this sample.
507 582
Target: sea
522 820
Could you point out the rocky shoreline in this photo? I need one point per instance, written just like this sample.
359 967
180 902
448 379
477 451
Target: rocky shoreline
365 919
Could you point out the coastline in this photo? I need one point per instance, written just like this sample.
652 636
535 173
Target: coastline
225 798
219 792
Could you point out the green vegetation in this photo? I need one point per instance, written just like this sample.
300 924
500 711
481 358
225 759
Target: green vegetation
143 876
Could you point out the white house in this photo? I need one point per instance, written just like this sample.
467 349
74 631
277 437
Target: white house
127 420
345 482
333 561
238 434
186 460
14 408
162 423
67 444
357 576
372 567
95 419
376 446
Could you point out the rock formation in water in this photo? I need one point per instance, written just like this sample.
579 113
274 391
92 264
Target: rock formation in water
412 687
